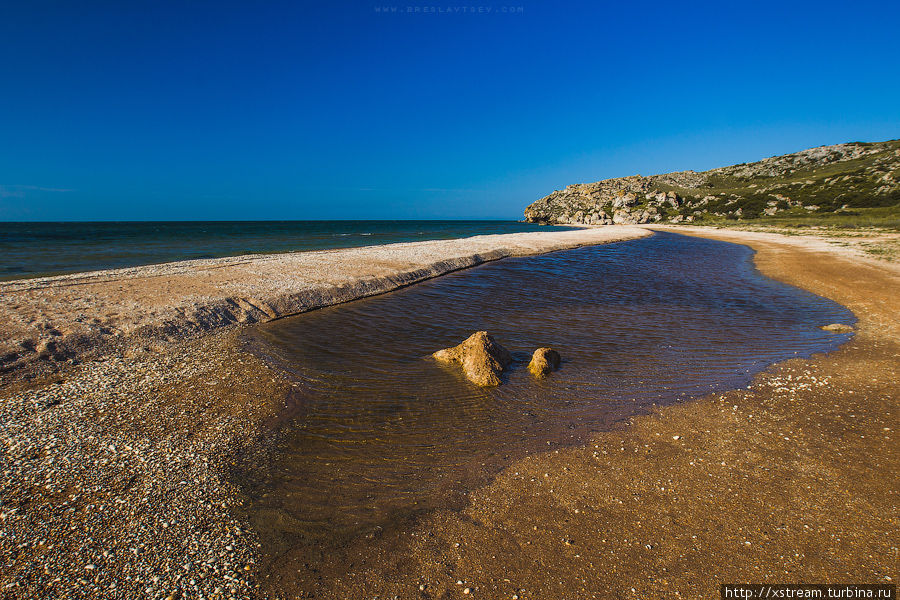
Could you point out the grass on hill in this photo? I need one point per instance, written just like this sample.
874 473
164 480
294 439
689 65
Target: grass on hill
860 192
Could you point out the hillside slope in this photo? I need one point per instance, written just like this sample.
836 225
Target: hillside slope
845 179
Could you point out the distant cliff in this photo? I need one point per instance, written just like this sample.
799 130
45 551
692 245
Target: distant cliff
828 179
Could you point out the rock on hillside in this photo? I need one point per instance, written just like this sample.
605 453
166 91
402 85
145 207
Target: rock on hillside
819 180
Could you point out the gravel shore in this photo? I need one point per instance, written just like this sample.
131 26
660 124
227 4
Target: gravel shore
53 321
790 480
129 399
117 474
115 480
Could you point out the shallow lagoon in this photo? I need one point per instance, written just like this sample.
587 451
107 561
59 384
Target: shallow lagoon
376 432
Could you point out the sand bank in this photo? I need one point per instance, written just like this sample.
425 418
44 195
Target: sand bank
97 313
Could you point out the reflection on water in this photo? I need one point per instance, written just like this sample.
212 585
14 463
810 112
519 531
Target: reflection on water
377 432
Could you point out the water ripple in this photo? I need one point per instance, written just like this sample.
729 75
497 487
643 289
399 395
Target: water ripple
380 432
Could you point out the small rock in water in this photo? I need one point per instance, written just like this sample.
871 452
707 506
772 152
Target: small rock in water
543 361
837 328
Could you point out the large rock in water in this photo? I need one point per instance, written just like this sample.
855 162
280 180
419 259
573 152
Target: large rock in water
482 358
543 361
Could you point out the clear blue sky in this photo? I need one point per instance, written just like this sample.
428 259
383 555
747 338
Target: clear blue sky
331 109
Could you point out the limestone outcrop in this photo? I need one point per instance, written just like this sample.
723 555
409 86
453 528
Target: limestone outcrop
828 179
481 357
837 328
543 362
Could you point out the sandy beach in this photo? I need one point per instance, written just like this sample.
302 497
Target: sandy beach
116 466
378 301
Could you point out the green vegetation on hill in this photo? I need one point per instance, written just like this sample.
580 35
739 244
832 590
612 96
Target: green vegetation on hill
847 185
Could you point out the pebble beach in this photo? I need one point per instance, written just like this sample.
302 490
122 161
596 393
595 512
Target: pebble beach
129 399
117 465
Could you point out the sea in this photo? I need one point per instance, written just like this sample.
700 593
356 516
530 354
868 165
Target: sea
45 248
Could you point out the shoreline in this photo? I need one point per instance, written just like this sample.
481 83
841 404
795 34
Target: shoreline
212 249
52 322
789 480
117 471
123 467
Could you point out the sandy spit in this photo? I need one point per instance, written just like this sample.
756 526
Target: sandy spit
72 317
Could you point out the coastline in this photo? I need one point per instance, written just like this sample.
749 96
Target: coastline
51 322
789 480
123 467
116 469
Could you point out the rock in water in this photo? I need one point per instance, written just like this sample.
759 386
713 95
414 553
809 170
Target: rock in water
543 361
837 328
482 358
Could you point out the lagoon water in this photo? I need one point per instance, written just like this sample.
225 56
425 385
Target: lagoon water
37 249
377 432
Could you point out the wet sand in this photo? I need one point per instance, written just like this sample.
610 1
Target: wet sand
116 480
792 480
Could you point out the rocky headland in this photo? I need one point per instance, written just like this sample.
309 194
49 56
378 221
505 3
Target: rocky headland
846 179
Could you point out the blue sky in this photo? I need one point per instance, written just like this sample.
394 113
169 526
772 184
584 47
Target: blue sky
319 110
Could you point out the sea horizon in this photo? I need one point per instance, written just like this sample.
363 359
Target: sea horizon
10 222
47 248
495 301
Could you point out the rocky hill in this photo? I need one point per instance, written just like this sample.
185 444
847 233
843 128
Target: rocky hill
840 179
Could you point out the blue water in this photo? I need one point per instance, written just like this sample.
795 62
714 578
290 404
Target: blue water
38 249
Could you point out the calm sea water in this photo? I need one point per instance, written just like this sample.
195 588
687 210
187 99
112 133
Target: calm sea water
36 249
379 432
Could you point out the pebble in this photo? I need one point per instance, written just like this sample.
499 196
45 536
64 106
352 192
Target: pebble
99 459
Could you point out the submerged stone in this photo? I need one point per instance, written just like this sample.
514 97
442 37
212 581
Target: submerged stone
543 361
481 357
837 328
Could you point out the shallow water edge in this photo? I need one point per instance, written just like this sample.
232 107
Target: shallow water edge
694 330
